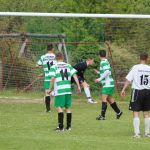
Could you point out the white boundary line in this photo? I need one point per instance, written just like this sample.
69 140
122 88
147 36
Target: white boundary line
37 14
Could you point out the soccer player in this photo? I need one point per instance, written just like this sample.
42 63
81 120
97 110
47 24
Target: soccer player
61 79
46 61
81 68
107 82
139 77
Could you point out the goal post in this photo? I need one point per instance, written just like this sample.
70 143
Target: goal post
79 35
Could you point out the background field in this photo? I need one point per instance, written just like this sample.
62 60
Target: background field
25 126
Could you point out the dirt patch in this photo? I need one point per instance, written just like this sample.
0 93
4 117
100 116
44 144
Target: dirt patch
20 101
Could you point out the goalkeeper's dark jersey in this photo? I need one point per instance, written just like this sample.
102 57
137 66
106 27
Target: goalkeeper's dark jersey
80 67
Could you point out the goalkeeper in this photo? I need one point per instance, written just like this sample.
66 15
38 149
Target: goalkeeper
81 68
46 61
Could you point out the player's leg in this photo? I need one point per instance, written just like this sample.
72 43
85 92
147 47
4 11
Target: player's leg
114 106
136 124
47 101
68 102
47 96
146 108
59 104
147 123
87 92
103 108
135 106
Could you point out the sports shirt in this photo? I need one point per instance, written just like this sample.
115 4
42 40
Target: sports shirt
139 76
62 73
46 61
108 81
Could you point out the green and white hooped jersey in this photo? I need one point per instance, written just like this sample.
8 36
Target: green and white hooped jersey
62 73
46 61
107 81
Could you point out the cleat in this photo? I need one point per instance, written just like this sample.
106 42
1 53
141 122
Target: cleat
136 136
59 130
147 135
119 115
91 101
100 118
68 129
48 111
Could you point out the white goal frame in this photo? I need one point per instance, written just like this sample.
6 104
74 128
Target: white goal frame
81 15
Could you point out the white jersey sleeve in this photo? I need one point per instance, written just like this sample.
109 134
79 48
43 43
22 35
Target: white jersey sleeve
130 76
39 62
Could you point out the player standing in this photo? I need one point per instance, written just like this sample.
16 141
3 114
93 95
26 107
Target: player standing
107 82
61 79
139 77
46 61
81 68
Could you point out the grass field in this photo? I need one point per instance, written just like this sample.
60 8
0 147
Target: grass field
25 126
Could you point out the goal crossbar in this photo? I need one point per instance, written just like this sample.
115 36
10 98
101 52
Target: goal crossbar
81 15
33 35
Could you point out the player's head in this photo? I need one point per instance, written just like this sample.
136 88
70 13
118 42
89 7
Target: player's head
59 56
90 61
143 56
49 47
102 53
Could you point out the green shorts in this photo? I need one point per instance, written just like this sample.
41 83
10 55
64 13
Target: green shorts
108 90
46 85
63 101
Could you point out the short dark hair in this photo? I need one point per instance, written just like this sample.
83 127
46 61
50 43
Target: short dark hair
102 53
49 47
143 56
59 56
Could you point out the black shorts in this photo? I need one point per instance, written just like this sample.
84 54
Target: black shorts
81 80
140 100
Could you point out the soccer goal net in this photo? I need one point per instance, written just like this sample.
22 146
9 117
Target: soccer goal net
23 39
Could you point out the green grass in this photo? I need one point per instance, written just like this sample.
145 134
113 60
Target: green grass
25 126
20 94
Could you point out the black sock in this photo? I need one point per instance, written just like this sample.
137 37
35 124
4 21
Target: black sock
115 107
69 118
61 120
47 102
104 108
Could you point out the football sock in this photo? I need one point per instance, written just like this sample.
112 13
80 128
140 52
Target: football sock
61 120
69 118
87 92
115 107
47 102
104 108
136 125
147 125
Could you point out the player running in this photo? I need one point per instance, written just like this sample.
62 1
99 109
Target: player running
107 82
139 77
81 68
61 79
46 61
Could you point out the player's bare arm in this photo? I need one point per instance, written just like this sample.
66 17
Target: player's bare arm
96 71
77 82
51 85
126 84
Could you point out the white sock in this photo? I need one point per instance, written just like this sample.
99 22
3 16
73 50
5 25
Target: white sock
136 125
147 125
87 92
